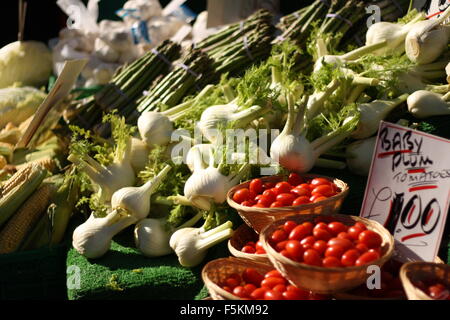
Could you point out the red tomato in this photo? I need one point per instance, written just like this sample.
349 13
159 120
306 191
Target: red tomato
265 201
299 191
322 234
268 185
258 293
273 295
344 235
309 227
280 288
438 292
240 292
294 293
247 203
251 275
259 245
277 204
241 195
337 227
273 273
232 282
259 205
306 186
360 225
354 232
283 187
349 257
295 249
295 179
331 262
260 251
248 249
281 245
320 246
308 240
250 243
301 200
256 185
312 257
285 254
324 189
334 251
366 258
318 199
321 225
361 247
279 235
249 288
289 226
270 195
252 195
320 181
346 244
272 282
286 198
370 238
298 233
228 289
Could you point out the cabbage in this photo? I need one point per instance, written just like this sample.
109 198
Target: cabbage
18 104
27 62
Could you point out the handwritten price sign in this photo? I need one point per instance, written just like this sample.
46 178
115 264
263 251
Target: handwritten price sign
408 189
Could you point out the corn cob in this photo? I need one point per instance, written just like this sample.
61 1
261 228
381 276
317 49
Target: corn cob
46 163
25 218
18 188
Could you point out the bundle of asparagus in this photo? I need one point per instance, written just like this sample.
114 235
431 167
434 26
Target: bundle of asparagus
126 86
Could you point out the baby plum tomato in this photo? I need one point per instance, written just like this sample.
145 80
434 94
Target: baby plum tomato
361 247
353 232
265 201
240 292
321 225
273 274
248 249
280 246
232 282
299 192
268 185
277 204
301 200
324 189
270 194
285 254
366 258
283 187
309 227
301 294
251 275
241 195
306 186
308 240
249 288
344 235
320 246
349 257
279 235
331 262
295 179
318 199
294 249
280 288
256 185
319 182
259 245
337 227
271 282
334 251
247 203
259 205
322 234
370 238
360 225
298 233
286 198
346 244
273 295
258 293
312 257
289 225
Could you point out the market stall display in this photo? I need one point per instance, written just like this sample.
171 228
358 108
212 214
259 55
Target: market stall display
135 180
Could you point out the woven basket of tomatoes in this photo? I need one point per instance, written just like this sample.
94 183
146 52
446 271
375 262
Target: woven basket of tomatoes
426 280
326 254
245 244
264 200
242 279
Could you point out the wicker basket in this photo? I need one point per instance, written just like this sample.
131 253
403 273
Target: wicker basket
320 279
217 271
242 235
420 271
259 218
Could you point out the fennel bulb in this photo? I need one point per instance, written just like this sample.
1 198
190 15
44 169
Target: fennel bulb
359 155
423 104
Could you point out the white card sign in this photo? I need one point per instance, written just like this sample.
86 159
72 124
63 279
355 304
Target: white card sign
408 189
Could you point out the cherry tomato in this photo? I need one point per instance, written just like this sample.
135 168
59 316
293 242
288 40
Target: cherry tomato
349 257
289 225
318 199
366 258
298 233
283 187
256 185
299 192
270 195
331 262
259 245
308 240
278 236
324 189
273 273
248 249
322 234
249 288
337 227
370 238
306 186
295 179
354 232
240 292
247 203
321 225
346 244
251 275
277 204
295 249
320 181
320 246
361 247
312 257
259 205
301 200
286 198
272 282
295 293
281 245
344 235
265 201
241 195
258 293
360 225
334 251
280 288
272 295
309 227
